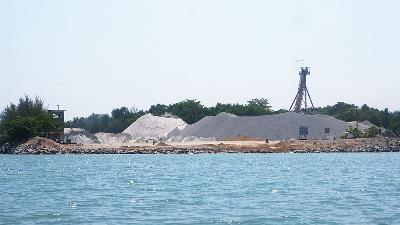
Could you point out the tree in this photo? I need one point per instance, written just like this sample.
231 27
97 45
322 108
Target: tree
119 120
158 110
262 103
120 113
25 120
258 107
190 111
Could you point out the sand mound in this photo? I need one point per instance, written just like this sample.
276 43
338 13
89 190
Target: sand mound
282 126
39 142
154 126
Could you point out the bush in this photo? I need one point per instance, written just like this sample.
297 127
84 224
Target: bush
354 131
372 132
25 120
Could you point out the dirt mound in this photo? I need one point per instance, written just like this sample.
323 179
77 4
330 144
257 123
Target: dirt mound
39 142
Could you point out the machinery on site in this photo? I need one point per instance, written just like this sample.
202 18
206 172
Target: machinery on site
302 93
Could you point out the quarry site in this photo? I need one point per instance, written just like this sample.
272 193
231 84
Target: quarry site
293 131
150 130
224 133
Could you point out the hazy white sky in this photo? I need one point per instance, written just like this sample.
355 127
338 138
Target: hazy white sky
93 56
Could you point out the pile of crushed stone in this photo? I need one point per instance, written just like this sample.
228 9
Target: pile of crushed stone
189 139
149 126
365 125
282 126
80 136
110 138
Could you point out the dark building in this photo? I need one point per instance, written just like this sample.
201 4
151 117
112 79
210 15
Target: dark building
57 135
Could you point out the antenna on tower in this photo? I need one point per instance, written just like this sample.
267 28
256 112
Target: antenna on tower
301 61
302 92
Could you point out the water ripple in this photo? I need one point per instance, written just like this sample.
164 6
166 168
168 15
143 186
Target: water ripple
201 189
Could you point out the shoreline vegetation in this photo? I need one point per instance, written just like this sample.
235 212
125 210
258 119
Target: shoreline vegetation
39 145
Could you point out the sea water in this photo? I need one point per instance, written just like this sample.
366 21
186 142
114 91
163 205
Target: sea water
346 188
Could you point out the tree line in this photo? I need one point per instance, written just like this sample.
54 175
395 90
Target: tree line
350 112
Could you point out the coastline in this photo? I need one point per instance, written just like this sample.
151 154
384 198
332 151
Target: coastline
45 146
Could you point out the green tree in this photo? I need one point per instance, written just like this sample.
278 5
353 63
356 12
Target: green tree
158 110
257 107
355 132
119 120
25 120
261 103
190 111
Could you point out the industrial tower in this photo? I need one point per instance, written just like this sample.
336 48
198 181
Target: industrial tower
302 92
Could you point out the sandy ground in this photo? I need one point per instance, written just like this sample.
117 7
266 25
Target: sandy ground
187 144
45 146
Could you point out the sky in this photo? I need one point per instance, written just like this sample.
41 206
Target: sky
95 55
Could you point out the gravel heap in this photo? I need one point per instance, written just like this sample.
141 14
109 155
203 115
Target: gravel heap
282 126
365 125
36 145
80 136
110 138
149 126
39 142
189 139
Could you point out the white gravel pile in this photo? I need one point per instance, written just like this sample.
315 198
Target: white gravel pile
149 126
189 139
110 138
68 130
365 125
80 136
274 127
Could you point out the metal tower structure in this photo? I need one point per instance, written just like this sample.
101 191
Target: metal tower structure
302 92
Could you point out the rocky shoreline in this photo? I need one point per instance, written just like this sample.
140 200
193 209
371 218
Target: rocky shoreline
45 146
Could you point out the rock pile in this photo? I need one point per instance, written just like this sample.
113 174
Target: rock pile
110 138
365 125
149 126
282 126
80 136
36 144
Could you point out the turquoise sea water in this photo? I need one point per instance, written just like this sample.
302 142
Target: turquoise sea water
360 188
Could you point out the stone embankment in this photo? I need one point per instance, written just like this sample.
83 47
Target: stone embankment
45 146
